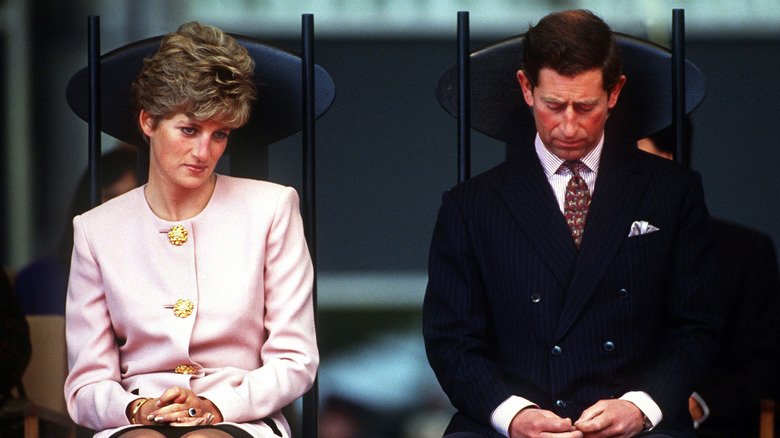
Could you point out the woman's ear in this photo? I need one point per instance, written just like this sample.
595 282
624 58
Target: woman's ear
146 122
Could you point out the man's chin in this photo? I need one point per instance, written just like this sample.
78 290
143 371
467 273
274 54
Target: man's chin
570 155
571 151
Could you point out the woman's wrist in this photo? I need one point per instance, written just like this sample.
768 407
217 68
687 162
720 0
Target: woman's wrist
211 407
134 408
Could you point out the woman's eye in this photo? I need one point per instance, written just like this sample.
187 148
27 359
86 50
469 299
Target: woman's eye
188 130
221 135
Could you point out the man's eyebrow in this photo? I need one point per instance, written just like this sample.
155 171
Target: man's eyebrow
555 100
552 99
586 102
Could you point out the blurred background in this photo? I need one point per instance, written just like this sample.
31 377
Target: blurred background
386 151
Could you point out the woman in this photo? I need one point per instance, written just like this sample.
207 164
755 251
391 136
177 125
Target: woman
189 309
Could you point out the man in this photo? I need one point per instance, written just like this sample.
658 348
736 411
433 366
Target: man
534 326
726 402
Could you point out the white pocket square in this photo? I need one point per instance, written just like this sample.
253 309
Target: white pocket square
639 228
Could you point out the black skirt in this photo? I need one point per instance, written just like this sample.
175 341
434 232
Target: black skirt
177 432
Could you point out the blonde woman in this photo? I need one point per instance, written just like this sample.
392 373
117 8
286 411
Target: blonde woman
189 309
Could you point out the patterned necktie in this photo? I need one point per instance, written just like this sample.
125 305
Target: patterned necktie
577 201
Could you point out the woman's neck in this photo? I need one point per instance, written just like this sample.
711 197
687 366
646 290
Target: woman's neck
177 203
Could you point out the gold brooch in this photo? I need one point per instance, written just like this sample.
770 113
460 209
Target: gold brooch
184 369
183 308
177 235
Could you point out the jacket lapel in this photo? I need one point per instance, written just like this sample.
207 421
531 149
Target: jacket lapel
531 202
619 185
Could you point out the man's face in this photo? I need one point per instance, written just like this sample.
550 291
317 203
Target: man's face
570 112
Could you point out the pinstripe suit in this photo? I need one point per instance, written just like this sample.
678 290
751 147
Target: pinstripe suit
513 308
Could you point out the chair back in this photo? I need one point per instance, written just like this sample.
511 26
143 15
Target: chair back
499 110
276 115
44 378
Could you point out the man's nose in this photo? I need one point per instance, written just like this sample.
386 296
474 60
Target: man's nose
569 122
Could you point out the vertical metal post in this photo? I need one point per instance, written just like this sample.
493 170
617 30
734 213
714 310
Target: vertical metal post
17 225
310 399
95 120
682 147
464 98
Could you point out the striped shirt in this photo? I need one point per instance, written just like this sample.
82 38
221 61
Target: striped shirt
559 175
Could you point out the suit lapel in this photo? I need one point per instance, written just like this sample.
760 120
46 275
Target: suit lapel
530 200
616 197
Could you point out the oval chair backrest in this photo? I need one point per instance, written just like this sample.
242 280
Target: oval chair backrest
276 115
499 111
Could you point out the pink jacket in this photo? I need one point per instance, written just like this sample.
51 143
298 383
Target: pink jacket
246 270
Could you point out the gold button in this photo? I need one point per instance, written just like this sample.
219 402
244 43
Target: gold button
183 308
184 369
177 235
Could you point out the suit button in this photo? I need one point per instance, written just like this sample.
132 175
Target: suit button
609 346
184 369
560 404
177 235
556 350
535 298
622 293
183 308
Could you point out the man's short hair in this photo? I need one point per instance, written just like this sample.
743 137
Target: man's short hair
572 42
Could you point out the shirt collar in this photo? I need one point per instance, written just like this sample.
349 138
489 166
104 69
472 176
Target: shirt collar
551 163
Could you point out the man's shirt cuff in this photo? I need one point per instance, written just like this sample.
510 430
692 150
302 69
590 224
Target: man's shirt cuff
645 404
704 408
502 416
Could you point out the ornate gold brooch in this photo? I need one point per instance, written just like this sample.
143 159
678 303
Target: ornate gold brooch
183 308
177 235
184 369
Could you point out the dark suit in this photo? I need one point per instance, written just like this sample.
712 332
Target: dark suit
513 308
747 366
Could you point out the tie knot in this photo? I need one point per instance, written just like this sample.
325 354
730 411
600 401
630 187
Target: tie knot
574 166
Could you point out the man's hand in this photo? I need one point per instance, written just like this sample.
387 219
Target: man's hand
533 422
610 418
695 408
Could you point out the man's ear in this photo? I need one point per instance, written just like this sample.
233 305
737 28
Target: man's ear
528 88
615 92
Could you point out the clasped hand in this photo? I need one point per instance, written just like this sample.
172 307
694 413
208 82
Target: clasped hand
606 418
179 407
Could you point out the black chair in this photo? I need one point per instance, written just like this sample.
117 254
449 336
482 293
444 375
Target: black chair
292 93
496 107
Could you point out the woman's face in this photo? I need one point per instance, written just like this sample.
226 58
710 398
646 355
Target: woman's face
183 151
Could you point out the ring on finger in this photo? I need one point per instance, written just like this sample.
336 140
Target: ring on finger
192 412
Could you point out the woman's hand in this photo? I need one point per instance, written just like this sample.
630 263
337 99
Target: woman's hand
182 407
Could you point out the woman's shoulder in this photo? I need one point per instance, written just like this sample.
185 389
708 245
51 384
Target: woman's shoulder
247 188
116 208
250 199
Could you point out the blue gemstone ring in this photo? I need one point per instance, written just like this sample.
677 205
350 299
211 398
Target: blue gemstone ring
192 412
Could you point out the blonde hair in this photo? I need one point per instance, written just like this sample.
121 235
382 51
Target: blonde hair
199 71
